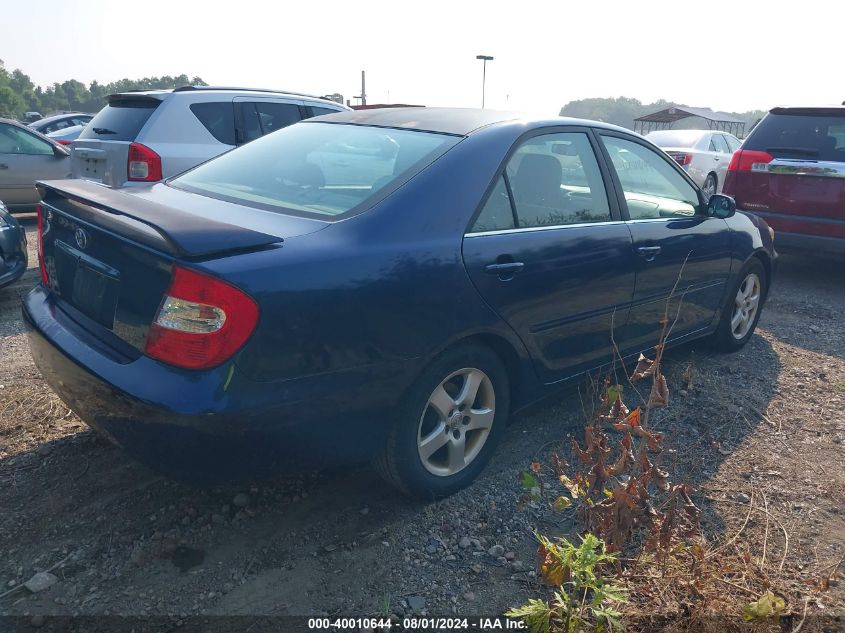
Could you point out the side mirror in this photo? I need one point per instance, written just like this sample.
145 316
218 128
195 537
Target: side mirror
721 206
61 151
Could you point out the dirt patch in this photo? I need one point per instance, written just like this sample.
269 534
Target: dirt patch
766 424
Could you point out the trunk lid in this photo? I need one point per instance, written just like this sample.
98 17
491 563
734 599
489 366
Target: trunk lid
791 171
109 253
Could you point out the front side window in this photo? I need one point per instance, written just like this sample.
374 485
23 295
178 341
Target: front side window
555 180
316 169
14 140
652 187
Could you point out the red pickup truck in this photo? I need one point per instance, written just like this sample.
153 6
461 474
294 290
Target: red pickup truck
791 172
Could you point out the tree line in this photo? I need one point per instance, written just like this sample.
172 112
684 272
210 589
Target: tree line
623 110
18 94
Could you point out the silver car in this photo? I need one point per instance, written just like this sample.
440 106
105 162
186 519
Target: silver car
704 154
60 122
143 137
27 156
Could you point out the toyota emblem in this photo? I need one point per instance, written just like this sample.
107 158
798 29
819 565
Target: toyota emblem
81 238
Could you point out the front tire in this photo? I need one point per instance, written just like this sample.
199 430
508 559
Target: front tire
448 424
742 310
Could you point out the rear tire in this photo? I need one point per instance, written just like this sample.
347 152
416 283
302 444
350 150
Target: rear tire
742 309
711 183
448 424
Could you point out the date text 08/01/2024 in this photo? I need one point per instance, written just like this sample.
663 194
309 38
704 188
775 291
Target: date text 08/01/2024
416 624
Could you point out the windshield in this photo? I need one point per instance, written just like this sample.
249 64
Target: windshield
319 169
675 138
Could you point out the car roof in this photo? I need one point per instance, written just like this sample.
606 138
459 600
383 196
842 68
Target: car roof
57 117
164 93
457 121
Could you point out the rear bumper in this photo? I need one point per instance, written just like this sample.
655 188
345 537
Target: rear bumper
816 243
213 425
802 232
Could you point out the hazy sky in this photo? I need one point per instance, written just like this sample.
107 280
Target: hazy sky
728 55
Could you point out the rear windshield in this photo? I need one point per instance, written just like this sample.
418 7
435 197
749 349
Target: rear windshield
318 169
675 138
120 120
800 136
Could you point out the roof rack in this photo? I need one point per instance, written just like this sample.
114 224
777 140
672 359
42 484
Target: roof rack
287 92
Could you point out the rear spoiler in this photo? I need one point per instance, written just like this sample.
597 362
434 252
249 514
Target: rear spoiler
164 228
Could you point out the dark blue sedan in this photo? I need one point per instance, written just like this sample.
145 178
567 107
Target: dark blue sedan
385 285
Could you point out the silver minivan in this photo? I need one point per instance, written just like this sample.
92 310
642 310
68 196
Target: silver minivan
146 136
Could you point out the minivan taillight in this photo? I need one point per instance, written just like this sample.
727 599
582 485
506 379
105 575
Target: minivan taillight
144 164
749 160
41 264
201 322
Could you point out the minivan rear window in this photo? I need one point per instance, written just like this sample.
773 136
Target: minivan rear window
316 169
800 136
120 120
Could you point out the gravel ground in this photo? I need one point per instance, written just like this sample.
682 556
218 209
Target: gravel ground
766 423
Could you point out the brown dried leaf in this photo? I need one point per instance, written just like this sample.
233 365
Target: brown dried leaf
536 467
659 391
645 368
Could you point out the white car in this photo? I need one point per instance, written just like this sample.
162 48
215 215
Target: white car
703 154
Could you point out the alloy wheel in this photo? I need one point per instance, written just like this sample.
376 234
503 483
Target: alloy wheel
456 422
746 304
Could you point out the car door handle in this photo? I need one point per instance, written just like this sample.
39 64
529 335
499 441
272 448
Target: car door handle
505 268
648 252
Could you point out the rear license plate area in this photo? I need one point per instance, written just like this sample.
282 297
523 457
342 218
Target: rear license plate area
92 168
89 286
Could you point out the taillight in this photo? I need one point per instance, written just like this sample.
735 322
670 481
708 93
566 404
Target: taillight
41 264
202 321
63 141
748 160
144 164
682 159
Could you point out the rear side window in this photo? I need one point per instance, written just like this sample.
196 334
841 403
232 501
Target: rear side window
218 118
800 136
318 111
721 144
497 214
120 120
555 180
262 117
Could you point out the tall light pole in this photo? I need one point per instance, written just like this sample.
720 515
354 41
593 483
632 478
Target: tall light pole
484 59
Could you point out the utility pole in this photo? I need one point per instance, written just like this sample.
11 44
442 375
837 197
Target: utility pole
484 59
363 95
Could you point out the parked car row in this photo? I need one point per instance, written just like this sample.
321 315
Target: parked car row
142 137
